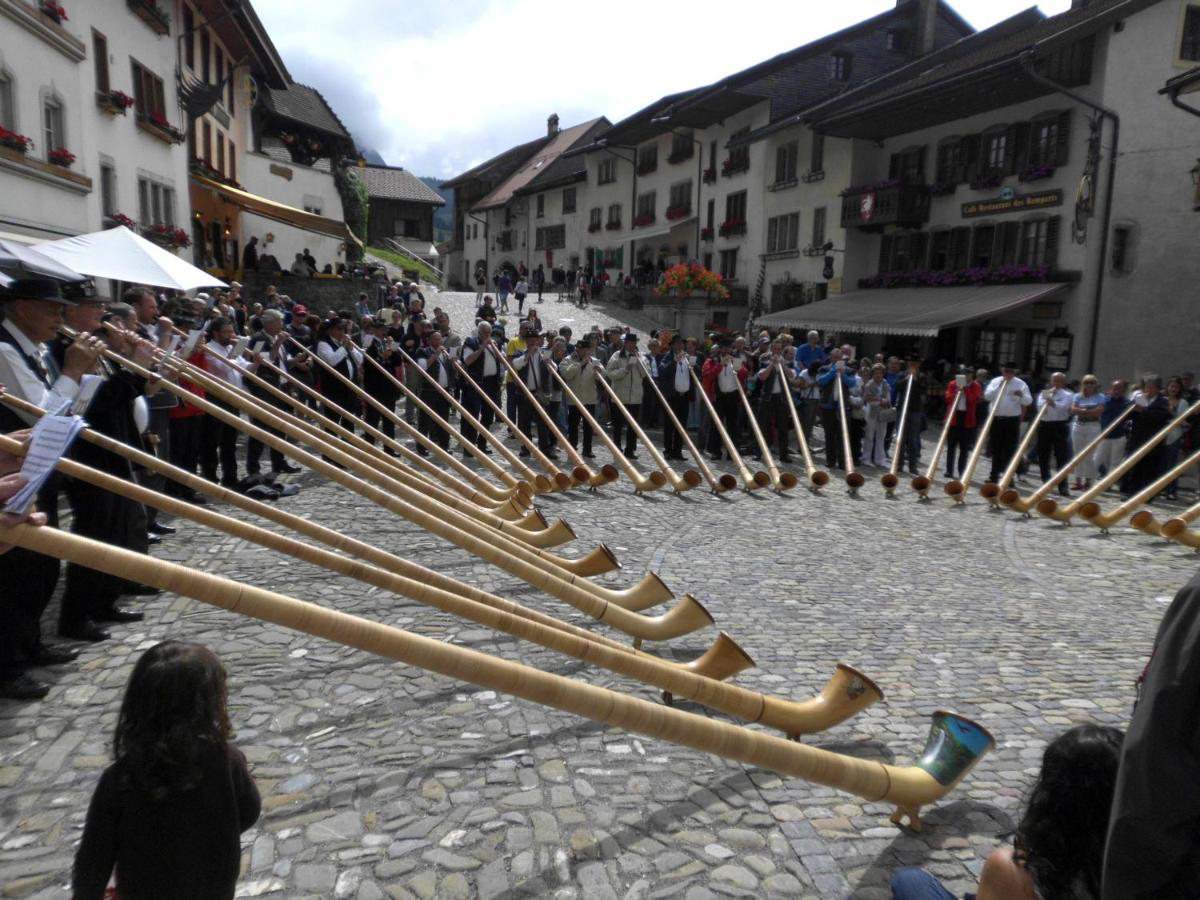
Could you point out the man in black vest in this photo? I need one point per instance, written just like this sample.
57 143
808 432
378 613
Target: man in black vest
435 360
382 350
531 368
270 345
33 314
479 357
677 381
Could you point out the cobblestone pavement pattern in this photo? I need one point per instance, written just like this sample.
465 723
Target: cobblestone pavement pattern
381 781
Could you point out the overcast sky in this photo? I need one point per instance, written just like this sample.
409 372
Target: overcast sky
437 87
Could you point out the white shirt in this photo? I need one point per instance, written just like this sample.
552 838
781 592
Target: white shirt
225 368
442 378
1060 405
334 356
727 380
1016 397
20 381
683 376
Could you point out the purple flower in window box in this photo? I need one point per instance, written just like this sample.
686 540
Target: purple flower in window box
1038 172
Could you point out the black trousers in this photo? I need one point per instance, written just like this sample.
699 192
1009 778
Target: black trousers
832 426
574 417
773 419
1006 434
1052 437
621 428
254 447
475 405
29 581
961 440
430 428
218 443
528 419
187 433
373 417
728 408
672 440
347 401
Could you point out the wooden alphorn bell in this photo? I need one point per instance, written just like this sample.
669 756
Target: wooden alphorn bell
922 483
664 474
482 458
751 481
371 456
958 488
991 492
854 479
690 475
540 482
1176 528
558 478
554 574
581 472
891 478
1012 498
780 481
1094 514
955 744
847 693
818 478
1051 510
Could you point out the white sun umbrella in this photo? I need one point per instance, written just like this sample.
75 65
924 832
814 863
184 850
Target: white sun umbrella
22 261
120 254
5 281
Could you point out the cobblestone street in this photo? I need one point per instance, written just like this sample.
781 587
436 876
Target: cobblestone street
379 780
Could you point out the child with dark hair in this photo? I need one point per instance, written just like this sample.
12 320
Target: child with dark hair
1058 848
168 813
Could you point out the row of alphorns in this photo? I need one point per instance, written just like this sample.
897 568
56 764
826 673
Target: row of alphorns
498 536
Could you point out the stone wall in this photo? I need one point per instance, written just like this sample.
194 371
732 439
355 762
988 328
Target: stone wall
318 294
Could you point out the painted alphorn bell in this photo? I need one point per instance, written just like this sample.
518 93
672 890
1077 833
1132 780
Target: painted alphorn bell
958 488
922 483
540 482
370 455
854 479
954 747
718 485
678 484
1093 513
847 693
482 458
536 567
751 481
560 479
818 478
991 492
1176 528
1012 498
640 481
1051 510
581 472
891 477
780 481
656 479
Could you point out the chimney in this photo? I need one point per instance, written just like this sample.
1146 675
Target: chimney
552 125
927 16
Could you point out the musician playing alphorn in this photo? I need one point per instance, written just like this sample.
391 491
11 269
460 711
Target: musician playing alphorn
1006 426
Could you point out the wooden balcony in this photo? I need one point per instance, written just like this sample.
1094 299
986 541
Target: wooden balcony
902 204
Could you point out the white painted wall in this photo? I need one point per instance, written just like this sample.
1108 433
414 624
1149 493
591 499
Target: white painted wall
307 187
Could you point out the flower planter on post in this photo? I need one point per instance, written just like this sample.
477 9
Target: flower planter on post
691 279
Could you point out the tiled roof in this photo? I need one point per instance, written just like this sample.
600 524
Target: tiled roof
305 105
500 165
566 169
532 167
394 183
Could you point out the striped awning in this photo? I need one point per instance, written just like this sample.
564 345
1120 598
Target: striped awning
920 312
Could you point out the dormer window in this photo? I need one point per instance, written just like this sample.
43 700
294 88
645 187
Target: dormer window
898 40
839 66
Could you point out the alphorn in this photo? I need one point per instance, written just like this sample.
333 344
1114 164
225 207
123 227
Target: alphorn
482 458
1176 528
954 746
891 477
678 484
958 487
580 471
561 480
818 478
780 481
367 453
1093 513
1143 520
718 485
854 480
991 492
922 483
1012 499
1051 510
752 481
847 693
598 430
536 567
655 479
540 482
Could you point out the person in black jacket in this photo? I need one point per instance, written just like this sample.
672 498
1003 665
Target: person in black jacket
435 360
1151 414
380 349
270 345
678 382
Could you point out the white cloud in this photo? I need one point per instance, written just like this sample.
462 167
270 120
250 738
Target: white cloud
439 87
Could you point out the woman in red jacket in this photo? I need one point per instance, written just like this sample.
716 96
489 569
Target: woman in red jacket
962 399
